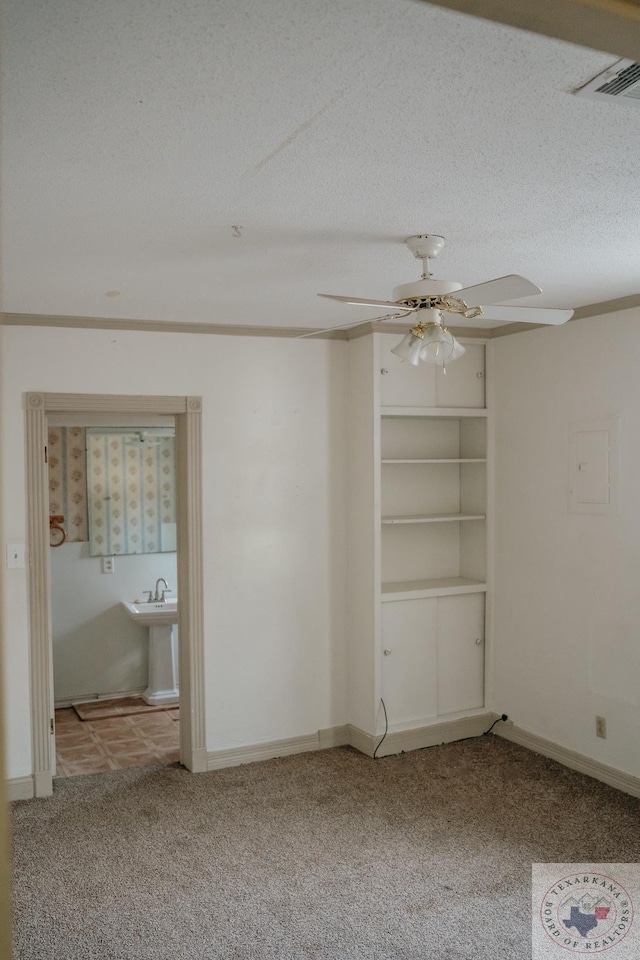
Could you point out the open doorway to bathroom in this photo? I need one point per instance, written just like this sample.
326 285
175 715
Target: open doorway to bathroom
112 506
186 413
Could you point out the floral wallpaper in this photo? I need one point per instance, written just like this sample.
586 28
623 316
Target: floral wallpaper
68 479
131 491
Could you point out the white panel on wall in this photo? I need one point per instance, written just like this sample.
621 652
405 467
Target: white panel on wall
593 466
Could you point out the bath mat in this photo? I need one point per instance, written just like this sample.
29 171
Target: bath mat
120 707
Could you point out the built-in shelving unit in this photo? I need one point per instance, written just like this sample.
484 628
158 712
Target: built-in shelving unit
419 512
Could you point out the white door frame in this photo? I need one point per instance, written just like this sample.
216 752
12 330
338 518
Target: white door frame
187 412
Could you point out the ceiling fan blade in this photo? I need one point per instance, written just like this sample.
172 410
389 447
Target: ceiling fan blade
511 287
353 323
525 315
367 303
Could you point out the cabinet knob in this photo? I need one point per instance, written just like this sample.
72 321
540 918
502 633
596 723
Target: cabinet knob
479 641
480 375
387 652
384 371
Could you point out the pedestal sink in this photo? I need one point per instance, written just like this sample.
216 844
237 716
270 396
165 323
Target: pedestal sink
159 618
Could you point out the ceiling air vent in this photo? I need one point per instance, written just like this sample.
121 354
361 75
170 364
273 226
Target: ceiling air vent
621 80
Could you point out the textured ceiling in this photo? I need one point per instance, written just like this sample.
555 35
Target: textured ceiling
222 161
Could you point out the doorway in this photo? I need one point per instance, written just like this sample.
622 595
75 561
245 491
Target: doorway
187 414
113 505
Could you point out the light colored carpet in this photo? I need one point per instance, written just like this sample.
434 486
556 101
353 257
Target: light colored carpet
328 855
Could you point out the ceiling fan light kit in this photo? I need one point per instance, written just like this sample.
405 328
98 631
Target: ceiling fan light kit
409 348
429 339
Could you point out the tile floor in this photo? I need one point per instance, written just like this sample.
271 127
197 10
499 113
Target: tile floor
92 746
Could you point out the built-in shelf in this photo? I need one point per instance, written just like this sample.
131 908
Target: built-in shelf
441 460
443 587
419 476
435 518
433 411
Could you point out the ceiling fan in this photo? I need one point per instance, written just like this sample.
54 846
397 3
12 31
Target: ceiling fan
429 339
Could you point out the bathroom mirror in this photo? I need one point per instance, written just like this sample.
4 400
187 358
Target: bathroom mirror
131 490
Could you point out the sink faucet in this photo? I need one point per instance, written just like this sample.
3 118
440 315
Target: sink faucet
160 598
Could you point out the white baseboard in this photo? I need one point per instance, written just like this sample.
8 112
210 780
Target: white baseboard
334 737
625 782
444 731
20 788
93 698
429 735
331 737
23 788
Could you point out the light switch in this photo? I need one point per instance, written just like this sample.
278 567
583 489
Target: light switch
15 555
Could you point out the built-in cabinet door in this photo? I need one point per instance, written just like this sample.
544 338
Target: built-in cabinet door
432 657
409 660
427 385
402 384
460 629
463 383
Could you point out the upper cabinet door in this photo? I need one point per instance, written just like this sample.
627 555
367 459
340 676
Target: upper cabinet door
463 383
403 385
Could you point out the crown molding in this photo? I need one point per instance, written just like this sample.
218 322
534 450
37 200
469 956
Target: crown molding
607 306
292 333
510 328
162 326
580 313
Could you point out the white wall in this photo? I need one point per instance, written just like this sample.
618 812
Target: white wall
567 586
274 491
98 650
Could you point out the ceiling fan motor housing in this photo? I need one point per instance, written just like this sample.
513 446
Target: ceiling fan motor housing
424 289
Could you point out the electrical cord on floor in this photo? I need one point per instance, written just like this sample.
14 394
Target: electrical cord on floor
386 727
497 720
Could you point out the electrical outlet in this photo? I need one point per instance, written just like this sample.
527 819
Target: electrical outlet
108 565
601 727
